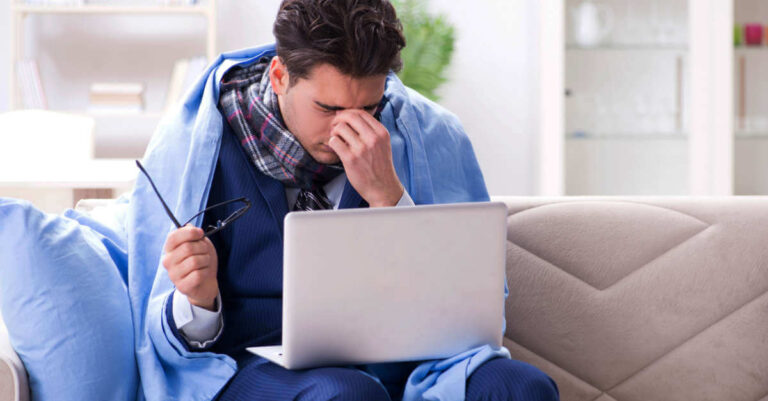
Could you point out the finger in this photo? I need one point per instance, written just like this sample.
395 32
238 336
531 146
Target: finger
354 119
191 282
191 264
208 242
181 235
349 136
351 116
340 147
183 251
375 124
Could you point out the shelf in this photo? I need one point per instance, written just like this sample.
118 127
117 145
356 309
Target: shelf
20 10
110 114
629 47
640 136
751 135
94 173
658 136
110 9
115 114
750 49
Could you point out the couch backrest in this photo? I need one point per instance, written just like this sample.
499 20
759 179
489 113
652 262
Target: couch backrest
641 298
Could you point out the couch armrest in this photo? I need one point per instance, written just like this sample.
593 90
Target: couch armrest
14 385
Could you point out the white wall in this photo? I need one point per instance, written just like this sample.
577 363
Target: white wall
5 50
491 79
492 87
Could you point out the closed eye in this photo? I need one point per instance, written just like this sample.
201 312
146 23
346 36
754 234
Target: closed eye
332 109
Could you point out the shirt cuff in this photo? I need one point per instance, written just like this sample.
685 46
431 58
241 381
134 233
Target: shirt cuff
405 200
199 326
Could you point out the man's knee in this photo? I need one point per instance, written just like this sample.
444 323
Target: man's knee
343 385
507 379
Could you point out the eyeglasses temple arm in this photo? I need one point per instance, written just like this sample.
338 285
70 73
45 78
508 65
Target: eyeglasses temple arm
167 210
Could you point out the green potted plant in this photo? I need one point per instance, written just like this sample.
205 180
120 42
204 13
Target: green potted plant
429 47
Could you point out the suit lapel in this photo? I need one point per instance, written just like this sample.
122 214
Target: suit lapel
273 192
271 189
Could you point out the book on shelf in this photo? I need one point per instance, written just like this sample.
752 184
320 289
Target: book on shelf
117 88
115 109
83 2
53 2
178 2
30 85
116 97
185 73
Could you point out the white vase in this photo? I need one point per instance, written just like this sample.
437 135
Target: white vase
591 23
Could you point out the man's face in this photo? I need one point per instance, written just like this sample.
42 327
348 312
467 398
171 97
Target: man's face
310 104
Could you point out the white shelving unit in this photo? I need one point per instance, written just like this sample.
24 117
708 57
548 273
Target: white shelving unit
700 148
20 11
109 175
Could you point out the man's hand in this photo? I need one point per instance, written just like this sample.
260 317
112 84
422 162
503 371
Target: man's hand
362 144
191 261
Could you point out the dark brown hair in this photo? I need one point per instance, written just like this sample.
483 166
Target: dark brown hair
360 38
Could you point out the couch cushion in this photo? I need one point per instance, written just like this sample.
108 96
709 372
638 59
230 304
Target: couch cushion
641 298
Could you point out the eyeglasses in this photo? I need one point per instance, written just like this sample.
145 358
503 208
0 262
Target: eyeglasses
211 229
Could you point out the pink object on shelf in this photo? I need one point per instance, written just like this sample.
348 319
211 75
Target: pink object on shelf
753 34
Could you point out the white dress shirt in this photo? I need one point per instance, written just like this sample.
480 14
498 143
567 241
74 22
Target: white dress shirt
201 327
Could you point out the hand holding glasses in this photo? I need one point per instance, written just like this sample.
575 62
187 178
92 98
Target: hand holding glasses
211 229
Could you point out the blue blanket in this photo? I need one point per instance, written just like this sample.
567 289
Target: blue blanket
434 161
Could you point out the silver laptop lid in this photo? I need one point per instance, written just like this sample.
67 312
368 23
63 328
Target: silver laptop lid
392 284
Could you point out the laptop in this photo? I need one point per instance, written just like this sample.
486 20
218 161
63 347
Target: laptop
390 284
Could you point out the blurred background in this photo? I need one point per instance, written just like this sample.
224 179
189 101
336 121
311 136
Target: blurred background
559 97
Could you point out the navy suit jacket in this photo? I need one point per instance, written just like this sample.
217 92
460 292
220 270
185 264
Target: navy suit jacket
250 252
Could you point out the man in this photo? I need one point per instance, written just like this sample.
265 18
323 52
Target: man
302 132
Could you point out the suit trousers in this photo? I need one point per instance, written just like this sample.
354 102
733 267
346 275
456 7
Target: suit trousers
496 380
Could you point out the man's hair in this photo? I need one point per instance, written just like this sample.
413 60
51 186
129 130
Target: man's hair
360 38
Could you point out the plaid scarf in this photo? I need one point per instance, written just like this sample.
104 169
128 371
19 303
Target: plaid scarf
251 108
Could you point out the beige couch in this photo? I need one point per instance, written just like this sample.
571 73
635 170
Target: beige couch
628 299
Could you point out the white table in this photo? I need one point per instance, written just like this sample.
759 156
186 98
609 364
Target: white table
54 187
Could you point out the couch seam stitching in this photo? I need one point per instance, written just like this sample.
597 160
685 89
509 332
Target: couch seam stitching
632 273
763 397
709 326
687 340
558 268
581 379
639 268
608 200
604 394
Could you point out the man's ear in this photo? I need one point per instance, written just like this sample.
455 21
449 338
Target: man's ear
278 76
